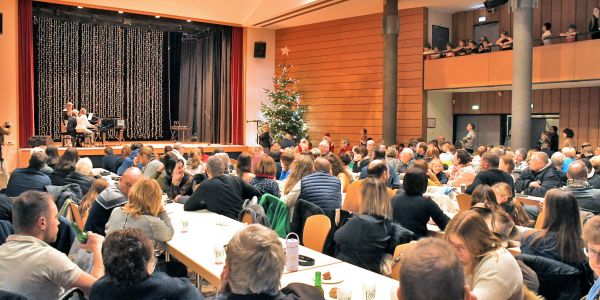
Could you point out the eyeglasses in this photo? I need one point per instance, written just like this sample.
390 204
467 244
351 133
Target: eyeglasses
591 253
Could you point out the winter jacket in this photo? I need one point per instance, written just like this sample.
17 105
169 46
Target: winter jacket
548 176
587 197
26 179
322 189
277 213
84 182
302 211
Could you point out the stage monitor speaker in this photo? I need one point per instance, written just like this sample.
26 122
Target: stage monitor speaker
260 49
39 140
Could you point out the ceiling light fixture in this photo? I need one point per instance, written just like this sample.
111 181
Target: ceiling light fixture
120 11
80 7
189 21
475 107
158 17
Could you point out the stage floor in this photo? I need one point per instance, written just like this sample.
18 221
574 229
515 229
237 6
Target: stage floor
159 147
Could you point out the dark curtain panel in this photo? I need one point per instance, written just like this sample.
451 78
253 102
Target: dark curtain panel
237 60
26 116
204 93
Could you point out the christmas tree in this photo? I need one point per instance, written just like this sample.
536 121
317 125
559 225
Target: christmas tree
284 112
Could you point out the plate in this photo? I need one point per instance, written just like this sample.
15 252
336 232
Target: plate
335 278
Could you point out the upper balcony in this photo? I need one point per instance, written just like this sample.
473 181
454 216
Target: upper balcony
577 62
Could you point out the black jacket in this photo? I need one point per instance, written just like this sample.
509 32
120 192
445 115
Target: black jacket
595 181
548 176
109 163
58 176
223 195
26 179
84 182
302 211
490 177
159 286
365 239
294 291
6 206
587 197
413 213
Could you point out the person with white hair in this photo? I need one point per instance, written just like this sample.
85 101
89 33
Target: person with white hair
570 154
224 157
406 160
324 146
179 151
558 159
257 248
83 175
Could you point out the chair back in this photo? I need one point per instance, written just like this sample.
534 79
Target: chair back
247 218
76 215
539 222
396 260
464 201
557 279
315 232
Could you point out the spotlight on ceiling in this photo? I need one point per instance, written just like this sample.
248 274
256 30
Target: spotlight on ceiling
80 7
189 21
158 17
490 5
120 11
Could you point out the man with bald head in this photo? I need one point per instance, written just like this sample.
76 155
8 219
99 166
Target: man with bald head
375 169
321 188
113 196
539 177
587 197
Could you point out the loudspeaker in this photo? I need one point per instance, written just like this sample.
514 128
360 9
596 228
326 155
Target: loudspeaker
39 140
260 49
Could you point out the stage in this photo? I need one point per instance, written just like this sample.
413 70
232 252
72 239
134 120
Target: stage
96 153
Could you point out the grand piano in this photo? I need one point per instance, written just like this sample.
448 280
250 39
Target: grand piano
105 125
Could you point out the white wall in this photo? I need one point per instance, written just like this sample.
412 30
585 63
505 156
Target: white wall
440 19
258 76
439 106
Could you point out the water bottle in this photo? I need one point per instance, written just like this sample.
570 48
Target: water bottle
291 252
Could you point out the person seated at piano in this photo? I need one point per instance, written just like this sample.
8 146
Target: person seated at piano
83 125
65 115
461 49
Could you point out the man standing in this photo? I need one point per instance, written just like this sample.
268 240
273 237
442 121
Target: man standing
490 174
29 266
111 197
470 139
539 177
554 138
265 140
4 130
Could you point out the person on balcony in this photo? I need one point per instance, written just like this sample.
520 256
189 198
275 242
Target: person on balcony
546 34
571 34
505 42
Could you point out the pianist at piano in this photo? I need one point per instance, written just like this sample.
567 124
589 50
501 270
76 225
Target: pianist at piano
84 126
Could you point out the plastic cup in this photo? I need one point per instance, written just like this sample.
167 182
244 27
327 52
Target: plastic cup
219 254
369 289
345 292
184 224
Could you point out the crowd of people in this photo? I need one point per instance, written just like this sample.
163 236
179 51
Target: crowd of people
383 190
505 42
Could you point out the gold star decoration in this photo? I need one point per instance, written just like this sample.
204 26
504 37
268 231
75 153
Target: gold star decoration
285 51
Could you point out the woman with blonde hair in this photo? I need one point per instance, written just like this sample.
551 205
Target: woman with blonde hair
302 166
367 238
490 270
86 203
144 210
151 165
504 194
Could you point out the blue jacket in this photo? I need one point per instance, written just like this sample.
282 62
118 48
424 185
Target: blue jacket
128 162
393 181
321 189
26 179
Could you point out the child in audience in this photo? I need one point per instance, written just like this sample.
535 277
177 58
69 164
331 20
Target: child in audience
546 34
505 42
427 51
471 47
449 52
571 34
484 45
460 50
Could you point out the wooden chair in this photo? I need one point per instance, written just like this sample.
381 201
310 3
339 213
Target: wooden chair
464 201
532 202
396 260
247 218
76 216
539 223
316 229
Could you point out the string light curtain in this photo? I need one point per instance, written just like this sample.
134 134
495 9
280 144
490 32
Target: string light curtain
111 71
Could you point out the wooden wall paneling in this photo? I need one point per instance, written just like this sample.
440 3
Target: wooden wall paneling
547 101
504 18
546 6
537 20
583 121
593 113
556 16
556 103
574 113
483 100
537 102
469 25
564 115
460 28
455 22
506 102
581 15
569 12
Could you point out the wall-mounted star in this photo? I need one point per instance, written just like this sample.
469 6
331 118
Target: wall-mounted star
285 51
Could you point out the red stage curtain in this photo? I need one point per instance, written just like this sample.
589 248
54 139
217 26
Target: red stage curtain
237 122
26 118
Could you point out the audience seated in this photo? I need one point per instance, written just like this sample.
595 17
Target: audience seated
129 264
109 160
539 177
128 162
287 141
437 168
393 180
560 237
264 180
29 266
507 164
300 168
286 165
53 157
406 160
321 188
30 178
558 159
505 42
66 164
361 159
431 271
461 172
504 194
353 198
593 177
390 156
325 148
491 271
367 237
125 152
476 159
587 197
570 156
413 210
490 174
194 166
45 169
112 197
420 151
571 34
245 165
519 158
179 151
339 169
591 235
83 175
345 147
220 193
98 185
151 166
256 250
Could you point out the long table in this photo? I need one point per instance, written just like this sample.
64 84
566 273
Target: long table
195 249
